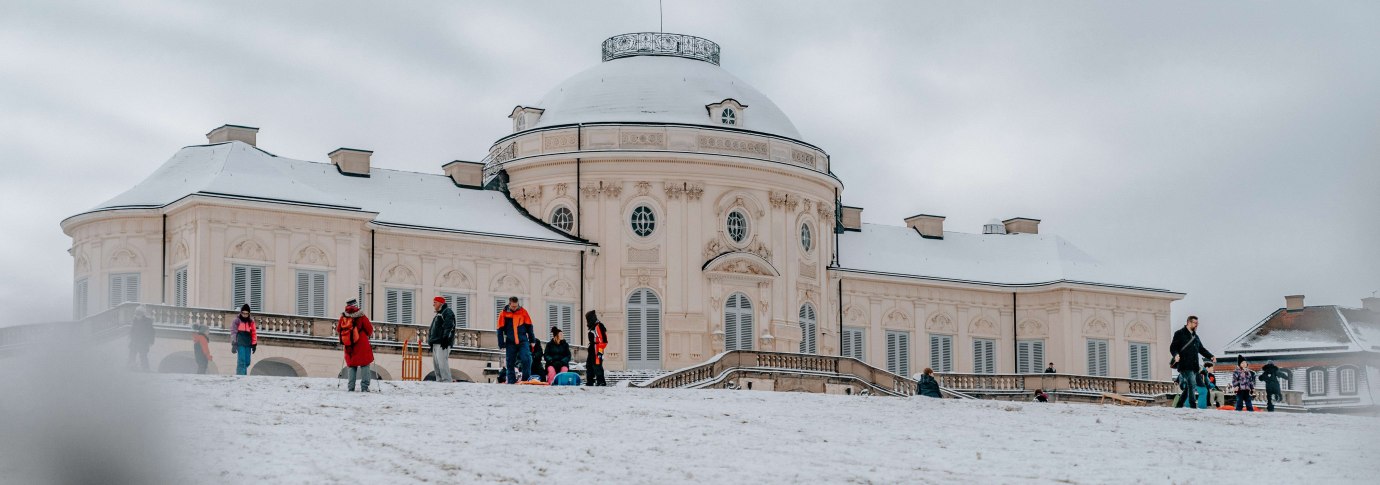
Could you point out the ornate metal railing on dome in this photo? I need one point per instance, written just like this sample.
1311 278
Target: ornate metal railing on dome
661 44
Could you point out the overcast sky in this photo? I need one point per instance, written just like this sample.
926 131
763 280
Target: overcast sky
1229 150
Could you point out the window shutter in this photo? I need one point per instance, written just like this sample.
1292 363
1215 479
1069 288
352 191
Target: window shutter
553 317
80 298
567 320
117 290
891 353
859 350
499 303
132 287
239 290
651 316
1037 355
635 326
318 294
460 305
1097 357
256 288
745 330
1140 361
808 330
903 353
303 293
391 305
731 323
408 306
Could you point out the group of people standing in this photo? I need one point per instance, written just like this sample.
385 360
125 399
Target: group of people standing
1198 382
524 356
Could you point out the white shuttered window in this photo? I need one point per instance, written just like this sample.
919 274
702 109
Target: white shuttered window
311 293
247 286
984 356
853 344
1097 357
808 330
644 330
1140 360
898 352
399 305
123 287
559 315
738 317
942 353
80 298
460 304
180 287
1030 356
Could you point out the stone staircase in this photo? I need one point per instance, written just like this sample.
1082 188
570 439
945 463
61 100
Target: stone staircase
632 377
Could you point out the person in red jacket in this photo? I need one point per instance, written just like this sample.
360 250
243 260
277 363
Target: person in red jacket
515 337
354 330
244 339
201 347
598 341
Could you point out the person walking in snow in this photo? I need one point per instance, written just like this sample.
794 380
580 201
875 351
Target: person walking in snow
1184 351
244 339
140 338
557 355
927 386
354 329
1243 384
201 347
1270 374
439 337
515 337
538 370
598 341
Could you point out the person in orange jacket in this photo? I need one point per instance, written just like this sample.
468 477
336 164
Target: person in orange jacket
598 341
201 347
515 338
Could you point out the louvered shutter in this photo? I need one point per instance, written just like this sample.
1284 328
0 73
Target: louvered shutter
984 356
635 325
553 316
117 290
941 353
303 293
859 350
567 320
1023 357
808 330
80 298
1037 355
318 294
731 323
898 353
180 287
405 299
256 288
891 352
239 286
904 347
746 332
651 316
499 303
460 305
390 305
1097 357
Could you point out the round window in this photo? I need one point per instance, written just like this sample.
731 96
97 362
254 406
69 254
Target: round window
806 238
737 226
728 117
643 221
563 219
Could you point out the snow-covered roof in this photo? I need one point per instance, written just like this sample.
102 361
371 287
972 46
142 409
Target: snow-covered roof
661 89
1311 330
1001 259
236 169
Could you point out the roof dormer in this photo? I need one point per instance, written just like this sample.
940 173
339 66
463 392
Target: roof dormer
728 112
524 116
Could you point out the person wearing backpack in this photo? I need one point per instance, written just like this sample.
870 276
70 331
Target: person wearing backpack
557 355
598 341
201 347
354 330
244 339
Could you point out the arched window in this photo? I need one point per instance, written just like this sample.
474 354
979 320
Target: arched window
806 237
563 219
1317 381
738 323
728 117
644 330
1346 380
737 226
643 221
808 330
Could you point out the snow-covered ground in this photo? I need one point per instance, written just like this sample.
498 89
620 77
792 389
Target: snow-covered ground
289 430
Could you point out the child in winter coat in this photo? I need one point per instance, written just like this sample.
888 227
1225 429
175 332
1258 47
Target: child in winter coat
201 347
538 370
244 339
557 355
1243 383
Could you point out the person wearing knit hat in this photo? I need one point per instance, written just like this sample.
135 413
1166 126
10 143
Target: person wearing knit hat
244 339
1270 374
354 330
440 336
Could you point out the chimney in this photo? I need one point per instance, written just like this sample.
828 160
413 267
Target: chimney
1293 302
929 226
465 174
247 134
1022 225
1371 304
852 218
351 161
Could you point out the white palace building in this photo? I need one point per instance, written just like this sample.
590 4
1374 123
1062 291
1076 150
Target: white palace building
655 188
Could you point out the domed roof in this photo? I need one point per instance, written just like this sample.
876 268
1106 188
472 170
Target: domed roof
659 78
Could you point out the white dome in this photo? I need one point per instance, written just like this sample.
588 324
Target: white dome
658 89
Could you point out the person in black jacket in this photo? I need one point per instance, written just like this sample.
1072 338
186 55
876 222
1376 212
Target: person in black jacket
557 355
598 341
1270 374
439 337
1183 353
538 370
140 338
927 386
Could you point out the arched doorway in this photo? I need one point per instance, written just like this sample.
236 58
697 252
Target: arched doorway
274 367
644 330
738 323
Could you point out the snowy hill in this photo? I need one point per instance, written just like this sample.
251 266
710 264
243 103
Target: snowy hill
293 430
